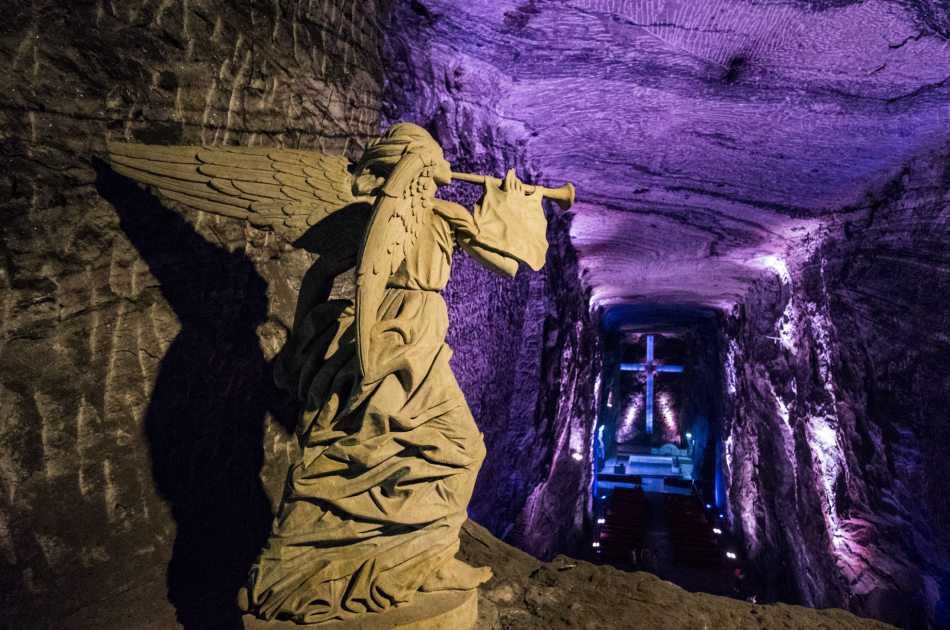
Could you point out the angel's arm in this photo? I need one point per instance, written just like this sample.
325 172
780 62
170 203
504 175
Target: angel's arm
493 260
466 233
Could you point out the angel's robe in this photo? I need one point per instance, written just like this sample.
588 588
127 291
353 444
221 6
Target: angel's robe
374 504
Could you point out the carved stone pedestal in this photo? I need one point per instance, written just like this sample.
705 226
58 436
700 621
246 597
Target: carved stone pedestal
449 610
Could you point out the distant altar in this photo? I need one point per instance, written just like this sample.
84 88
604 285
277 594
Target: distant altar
666 469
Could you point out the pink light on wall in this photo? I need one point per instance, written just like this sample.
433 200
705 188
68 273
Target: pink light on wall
667 414
627 429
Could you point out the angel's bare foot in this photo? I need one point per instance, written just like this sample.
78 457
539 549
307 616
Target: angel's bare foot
457 576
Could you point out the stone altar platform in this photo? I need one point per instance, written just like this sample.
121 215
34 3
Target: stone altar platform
447 610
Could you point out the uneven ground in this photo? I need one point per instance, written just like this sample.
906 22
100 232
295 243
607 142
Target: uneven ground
526 594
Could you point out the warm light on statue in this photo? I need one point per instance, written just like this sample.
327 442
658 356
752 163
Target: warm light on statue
370 518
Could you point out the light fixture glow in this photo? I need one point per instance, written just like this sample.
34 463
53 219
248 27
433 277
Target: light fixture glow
709 506
601 521
716 530
576 456
689 436
731 555
595 544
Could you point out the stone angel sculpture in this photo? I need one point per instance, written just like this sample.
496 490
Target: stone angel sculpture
372 509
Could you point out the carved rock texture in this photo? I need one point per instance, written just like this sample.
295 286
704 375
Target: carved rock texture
836 375
137 411
726 123
765 159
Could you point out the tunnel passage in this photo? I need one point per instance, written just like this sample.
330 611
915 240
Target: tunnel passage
658 498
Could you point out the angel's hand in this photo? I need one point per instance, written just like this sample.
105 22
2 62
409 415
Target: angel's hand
511 182
517 188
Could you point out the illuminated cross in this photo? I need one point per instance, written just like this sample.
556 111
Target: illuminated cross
651 367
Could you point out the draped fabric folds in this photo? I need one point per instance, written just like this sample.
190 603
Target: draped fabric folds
374 505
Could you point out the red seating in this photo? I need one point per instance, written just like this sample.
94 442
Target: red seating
624 529
694 543
626 519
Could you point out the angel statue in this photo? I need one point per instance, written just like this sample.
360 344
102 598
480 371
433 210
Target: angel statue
372 507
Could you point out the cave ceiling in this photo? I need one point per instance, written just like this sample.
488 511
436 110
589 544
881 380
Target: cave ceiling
707 140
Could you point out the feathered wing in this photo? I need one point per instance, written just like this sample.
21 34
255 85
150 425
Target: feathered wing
390 236
285 190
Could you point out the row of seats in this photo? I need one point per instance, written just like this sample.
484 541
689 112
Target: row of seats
625 526
691 535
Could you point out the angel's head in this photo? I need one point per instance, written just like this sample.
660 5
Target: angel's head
401 140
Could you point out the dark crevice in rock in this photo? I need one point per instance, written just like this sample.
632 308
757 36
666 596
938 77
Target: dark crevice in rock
734 69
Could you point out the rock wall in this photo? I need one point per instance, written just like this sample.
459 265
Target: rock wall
837 383
137 412
555 516
526 350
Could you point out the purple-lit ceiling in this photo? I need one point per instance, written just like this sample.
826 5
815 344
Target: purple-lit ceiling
708 140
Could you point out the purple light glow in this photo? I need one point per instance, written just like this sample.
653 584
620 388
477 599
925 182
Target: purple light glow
669 430
627 429
702 186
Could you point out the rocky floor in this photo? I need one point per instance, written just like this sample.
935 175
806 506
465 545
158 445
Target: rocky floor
526 594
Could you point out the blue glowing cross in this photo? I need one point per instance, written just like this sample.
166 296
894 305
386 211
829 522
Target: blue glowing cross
651 367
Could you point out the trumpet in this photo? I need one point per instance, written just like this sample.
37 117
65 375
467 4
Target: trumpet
562 195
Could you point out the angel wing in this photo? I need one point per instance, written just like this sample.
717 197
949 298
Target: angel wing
391 235
285 190
288 191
